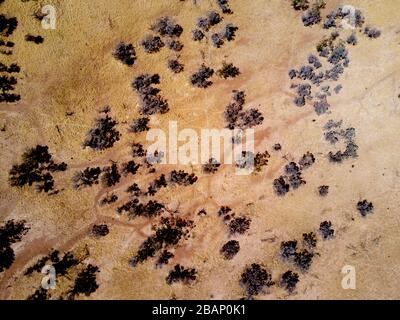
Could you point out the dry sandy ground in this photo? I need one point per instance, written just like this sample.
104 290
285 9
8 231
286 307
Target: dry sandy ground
73 70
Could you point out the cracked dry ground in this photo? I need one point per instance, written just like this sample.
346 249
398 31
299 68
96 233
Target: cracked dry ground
232 232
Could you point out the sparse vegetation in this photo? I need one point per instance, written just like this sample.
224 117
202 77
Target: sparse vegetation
130 167
288 249
239 225
109 198
307 160
372 33
313 14
7 25
310 240
197 35
174 45
136 209
224 6
303 259
182 178
164 258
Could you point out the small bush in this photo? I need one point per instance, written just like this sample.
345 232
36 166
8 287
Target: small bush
228 70
180 274
326 230
254 279
365 207
125 53
152 44
200 78
289 280
230 249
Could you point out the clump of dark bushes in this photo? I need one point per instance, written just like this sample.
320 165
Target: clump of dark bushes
151 101
230 249
125 53
11 232
168 233
200 79
36 167
254 279
228 70
103 135
181 274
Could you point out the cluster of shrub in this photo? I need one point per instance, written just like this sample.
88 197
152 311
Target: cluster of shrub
34 39
37 168
213 18
256 278
181 274
151 101
302 258
333 134
168 34
10 233
230 249
333 49
224 6
228 70
236 117
125 52
365 207
62 265
165 27
292 177
104 134
84 283
108 175
7 80
167 234
135 208
211 166
236 225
